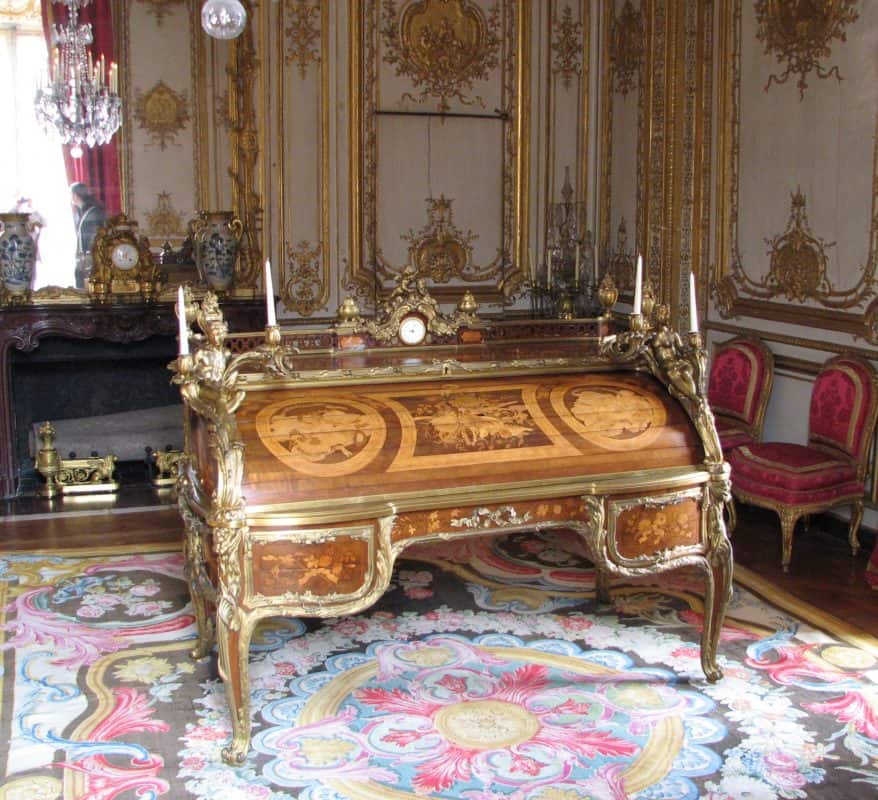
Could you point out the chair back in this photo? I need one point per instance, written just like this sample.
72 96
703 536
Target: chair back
844 405
741 373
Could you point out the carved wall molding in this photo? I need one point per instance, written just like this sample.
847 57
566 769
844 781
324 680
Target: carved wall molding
567 47
245 171
158 8
302 279
161 112
626 48
379 37
800 33
164 221
442 46
792 274
302 34
304 37
441 251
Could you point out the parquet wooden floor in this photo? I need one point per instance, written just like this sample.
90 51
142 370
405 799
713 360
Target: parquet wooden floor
822 572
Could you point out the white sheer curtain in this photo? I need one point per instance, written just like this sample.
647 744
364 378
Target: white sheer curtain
32 165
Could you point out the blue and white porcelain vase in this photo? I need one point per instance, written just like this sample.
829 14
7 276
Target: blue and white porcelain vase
18 256
216 240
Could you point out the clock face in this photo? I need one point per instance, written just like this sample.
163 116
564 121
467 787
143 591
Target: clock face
412 329
124 256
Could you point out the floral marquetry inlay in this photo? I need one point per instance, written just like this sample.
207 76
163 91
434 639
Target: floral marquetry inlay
626 48
567 47
302 34
799 33
161 112
442 46
321 437
465 422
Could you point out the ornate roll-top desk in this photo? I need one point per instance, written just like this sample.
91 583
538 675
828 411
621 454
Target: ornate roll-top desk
309 472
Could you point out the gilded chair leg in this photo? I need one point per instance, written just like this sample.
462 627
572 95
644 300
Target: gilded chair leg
854 529
788 519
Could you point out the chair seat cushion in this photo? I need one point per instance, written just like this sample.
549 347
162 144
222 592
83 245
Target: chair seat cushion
731 435
792 474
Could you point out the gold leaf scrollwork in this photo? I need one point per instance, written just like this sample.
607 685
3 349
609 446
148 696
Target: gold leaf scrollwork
626 48
161 112
798 258
301 290
243 71
442 46
440 251
798 267
566 47
302 33
800 32
164 220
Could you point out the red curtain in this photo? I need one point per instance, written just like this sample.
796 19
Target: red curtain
98 167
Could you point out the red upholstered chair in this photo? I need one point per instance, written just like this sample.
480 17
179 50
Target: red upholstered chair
793 479
741 372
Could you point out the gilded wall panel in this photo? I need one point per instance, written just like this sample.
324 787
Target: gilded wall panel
301 76
160 90
568 45
799 175
438 96
623 54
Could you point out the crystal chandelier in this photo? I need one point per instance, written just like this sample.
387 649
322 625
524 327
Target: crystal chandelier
80 101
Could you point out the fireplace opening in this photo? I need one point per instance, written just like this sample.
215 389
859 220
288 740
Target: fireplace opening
72 378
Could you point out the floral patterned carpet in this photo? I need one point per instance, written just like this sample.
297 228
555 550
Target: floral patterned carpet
487 672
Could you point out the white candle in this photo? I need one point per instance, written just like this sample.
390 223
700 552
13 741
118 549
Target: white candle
576 266
638 285
693 308
183 333
548 271
271 319
533 266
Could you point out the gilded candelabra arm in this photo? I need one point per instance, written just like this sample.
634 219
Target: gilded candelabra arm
208 381
682 367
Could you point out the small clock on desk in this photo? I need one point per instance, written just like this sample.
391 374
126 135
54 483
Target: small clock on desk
412 329
123 264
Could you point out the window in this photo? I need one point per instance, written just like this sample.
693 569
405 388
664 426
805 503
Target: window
33 162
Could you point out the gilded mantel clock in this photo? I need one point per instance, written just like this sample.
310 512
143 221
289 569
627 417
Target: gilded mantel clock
410 316
123 266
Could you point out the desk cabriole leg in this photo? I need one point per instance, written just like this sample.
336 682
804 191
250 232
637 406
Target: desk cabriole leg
234 649
718 592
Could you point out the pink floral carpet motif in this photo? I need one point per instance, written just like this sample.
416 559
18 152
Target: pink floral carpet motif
487 672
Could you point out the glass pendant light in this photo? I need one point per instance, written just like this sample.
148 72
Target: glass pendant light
223 19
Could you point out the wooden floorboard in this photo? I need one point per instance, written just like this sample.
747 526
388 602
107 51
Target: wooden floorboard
822 572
